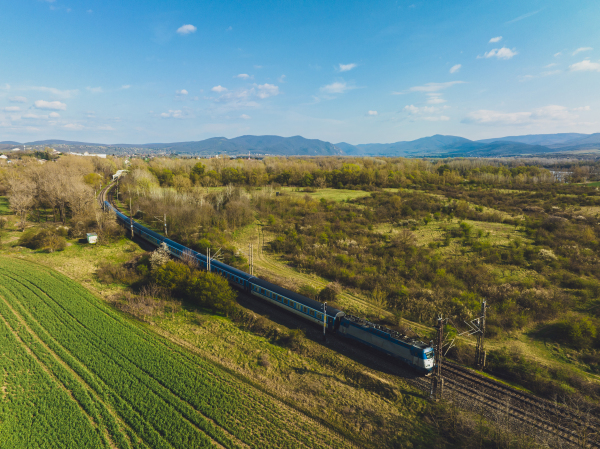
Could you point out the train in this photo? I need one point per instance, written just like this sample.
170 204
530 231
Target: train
413 352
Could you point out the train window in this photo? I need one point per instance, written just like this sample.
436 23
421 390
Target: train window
292 304
304 309
319 316
312 313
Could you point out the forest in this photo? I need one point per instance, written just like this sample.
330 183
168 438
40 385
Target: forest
413 238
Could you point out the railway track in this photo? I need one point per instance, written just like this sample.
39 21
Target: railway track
576 429
494 399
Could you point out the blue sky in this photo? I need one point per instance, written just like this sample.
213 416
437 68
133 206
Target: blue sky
360 72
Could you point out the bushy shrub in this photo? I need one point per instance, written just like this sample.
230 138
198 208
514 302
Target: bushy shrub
47 239
576 330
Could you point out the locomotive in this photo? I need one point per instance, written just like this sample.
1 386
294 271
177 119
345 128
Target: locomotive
415 353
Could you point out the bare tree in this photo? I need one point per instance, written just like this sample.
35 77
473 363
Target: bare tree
21 197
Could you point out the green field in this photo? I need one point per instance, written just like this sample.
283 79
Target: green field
74 373
4 209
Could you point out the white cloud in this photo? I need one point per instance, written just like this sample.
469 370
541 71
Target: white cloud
495 39
245 117
172 114
50 105
524 16
17 99
431 87
94 90
33 116
54 115
580 49
346 67
338 87
553 64
547 114
455 68
229 28
556 55
219 89
126 86
186 29
281 79
267 90
372 112
105 128
416 110
53 91
11 109
181 92
73 126
435 98
243 76
437 118
500 53
585 66
487 117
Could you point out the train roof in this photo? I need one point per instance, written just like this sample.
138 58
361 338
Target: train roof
332 311
230 269
392 333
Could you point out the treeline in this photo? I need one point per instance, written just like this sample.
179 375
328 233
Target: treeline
337 172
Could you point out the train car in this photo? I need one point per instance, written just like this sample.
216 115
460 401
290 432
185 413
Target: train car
413 352
304 307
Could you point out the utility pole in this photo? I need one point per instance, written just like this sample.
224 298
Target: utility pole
324 319
208 259
251 259
166 235
480 349
437 382
131 218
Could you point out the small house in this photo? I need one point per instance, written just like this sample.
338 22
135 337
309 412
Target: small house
92 238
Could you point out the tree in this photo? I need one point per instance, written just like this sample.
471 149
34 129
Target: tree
160 257
331 292
21 198
3 222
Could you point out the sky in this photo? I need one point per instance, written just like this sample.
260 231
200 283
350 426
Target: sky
133 71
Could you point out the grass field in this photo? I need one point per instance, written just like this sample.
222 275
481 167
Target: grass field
4 205
82 376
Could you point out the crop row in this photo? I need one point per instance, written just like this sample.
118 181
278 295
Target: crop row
163 394
34 410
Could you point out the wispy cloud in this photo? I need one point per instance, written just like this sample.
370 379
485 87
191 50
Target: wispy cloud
455 68
546 114
495 39
500 53
435 98
94 90
580 49
126 86
186 29
337 87
11 109
245 117
181 92
430 87
63 94
346 67
17 99
54 115
243 76
585 66
74 126
50 105
177 113
524 16
219 89
556 55
372 113
552 64
267 90
281 79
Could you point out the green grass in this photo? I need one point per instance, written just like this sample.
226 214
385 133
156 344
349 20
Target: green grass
4 206
137 389
329 194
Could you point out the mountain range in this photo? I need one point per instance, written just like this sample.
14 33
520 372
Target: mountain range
434 146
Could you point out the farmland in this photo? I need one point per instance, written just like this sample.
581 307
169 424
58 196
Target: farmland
124 386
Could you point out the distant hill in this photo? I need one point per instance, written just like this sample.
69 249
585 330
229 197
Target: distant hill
539 139
433 146
276 145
